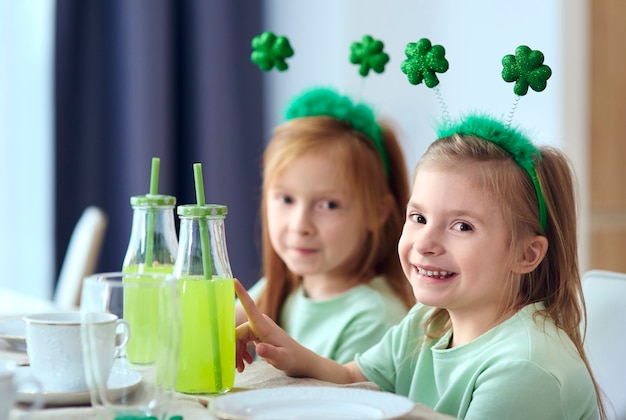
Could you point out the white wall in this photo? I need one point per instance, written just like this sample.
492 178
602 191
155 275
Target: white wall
26 153
575 109
476 35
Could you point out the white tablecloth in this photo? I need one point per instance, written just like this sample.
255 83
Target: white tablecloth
258 375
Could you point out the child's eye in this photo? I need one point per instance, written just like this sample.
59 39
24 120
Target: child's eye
285 199
462 227
329 205
417 218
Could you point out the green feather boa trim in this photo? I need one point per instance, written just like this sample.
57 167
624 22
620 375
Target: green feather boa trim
326 102
510 139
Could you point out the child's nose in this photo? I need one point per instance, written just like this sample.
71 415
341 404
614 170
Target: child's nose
428 242
300 220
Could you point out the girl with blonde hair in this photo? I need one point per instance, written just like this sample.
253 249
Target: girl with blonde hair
489 246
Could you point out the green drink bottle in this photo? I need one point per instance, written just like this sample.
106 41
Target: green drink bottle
152 248
207 297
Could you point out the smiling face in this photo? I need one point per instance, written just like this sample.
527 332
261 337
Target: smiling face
454 247
313 221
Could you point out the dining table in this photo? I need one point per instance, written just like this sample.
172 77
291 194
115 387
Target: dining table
256 376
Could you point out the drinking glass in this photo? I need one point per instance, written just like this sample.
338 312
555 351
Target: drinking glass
142 300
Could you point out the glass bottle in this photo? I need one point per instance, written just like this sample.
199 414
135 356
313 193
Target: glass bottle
207 296
152 249
153 245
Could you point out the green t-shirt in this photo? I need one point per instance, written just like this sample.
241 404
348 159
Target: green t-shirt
521 369
340 327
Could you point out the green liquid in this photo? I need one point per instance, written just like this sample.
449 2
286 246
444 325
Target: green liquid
141 311
207 348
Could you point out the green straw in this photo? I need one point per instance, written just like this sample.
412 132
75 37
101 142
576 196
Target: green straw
204 230
154 188
208 275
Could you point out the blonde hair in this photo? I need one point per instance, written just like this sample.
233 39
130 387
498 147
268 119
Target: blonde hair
362 169
556 281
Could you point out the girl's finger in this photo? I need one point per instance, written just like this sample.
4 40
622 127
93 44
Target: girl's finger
248 304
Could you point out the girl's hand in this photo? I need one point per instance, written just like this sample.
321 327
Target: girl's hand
273 344
277 348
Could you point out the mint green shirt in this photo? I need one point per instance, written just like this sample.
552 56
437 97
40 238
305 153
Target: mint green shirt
520 369
340 327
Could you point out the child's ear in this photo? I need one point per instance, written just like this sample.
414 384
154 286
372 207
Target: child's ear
532 255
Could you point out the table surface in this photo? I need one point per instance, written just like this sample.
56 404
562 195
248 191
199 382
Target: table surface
258 375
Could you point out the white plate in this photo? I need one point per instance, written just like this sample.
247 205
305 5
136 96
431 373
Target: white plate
315 402
120 382
13 331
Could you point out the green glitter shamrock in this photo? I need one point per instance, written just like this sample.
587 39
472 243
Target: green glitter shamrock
270 51
423 61
369 54
525 68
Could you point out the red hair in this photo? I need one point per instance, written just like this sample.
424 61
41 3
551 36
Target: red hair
363 171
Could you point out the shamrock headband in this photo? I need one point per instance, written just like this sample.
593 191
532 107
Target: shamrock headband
521 149
271 51
525 68
326 102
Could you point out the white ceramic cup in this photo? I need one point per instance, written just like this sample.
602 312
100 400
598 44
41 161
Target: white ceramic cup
54 347
10 383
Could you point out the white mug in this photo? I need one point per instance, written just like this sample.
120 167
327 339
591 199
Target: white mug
10 383
54 347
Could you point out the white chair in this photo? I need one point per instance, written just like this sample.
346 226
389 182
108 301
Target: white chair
605 344
81 257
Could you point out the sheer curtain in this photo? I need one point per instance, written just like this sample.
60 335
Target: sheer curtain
166 78
26 213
